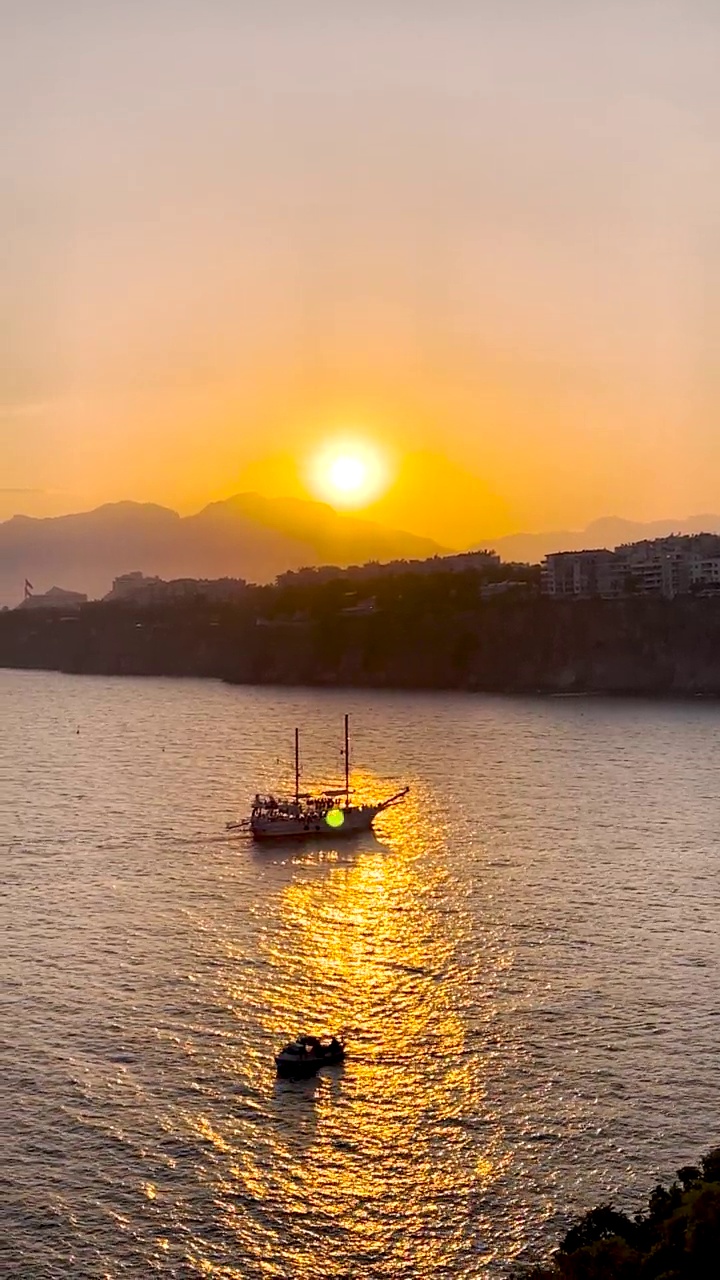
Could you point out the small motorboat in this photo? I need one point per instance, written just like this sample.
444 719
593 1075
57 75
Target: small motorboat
307 1054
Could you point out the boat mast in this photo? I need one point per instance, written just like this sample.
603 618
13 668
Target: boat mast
347 761
297 766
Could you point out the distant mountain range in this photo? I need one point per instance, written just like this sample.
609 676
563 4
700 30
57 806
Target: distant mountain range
246 536
250 537
607 532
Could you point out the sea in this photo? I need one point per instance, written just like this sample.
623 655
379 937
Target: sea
524 960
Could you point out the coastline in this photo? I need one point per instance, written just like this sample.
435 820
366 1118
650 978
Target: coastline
531 647
580 695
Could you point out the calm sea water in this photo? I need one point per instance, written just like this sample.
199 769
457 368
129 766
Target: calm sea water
525 961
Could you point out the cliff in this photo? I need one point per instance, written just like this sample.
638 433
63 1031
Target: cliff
438 634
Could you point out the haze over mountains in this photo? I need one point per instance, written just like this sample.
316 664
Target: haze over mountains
609 531
252 537
246 536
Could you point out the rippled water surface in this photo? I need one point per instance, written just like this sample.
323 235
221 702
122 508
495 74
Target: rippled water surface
524 958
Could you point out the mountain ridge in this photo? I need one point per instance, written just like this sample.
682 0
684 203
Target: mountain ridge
606 531
250 536
245 536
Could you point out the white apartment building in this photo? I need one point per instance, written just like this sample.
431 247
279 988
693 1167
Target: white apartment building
705 570
666 567
576 573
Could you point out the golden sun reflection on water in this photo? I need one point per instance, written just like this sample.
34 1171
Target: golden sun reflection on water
365 938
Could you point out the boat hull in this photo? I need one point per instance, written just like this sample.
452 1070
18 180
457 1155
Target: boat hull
297 1070
292 1067
353 822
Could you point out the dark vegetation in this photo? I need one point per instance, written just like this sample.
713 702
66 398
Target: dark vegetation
676 1238
431 631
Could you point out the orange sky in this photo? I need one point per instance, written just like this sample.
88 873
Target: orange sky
486 236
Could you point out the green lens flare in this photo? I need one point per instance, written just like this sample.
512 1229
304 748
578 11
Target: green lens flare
335 818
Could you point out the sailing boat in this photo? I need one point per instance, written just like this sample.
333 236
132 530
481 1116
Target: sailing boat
304 815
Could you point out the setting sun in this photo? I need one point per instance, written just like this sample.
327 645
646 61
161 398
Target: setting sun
348 473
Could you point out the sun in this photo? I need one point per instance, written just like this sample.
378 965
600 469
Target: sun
348 473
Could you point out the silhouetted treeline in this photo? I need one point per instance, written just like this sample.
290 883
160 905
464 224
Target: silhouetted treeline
676 1238
482 560
434 631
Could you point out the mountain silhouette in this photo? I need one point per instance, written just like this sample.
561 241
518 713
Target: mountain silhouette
246 536
609 531
249 536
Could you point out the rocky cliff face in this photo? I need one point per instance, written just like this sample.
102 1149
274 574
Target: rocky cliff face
639 646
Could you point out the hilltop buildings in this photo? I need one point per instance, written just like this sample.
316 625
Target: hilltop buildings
55 598
136 588
669 567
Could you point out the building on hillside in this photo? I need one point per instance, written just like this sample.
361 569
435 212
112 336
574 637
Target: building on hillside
578 573
135 588
705 571
55 598
668 567
132 586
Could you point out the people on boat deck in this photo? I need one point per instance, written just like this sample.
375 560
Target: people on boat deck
313 808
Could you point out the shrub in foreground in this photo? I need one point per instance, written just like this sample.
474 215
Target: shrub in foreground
676 1238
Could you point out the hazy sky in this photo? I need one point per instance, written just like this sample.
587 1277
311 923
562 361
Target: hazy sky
485 233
